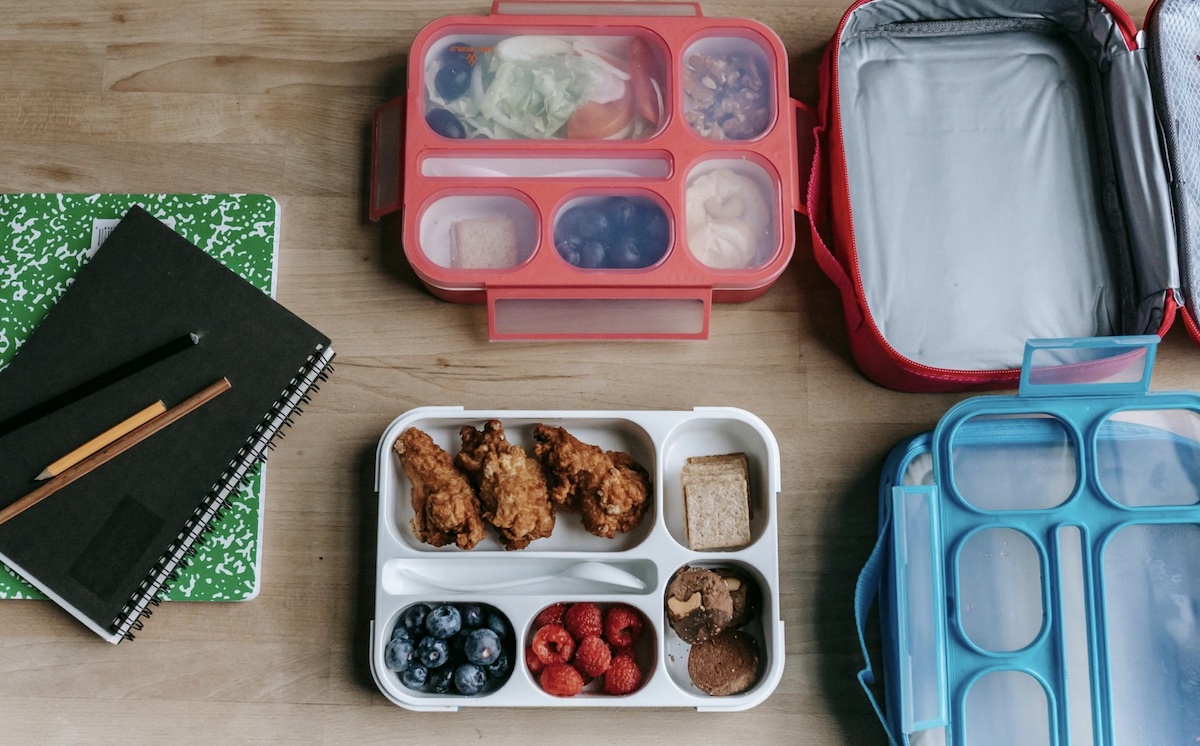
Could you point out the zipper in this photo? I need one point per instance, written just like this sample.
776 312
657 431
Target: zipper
1129 31
1190 323
1125 21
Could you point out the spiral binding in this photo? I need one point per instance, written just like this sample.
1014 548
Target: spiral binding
178 554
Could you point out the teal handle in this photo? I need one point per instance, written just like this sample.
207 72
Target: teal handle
1092 366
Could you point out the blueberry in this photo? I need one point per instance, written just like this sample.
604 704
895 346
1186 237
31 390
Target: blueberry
433 652
594 223
587 221
500 668
653 247
445 124
624 212
398 654
627 253
440 680
592 255
653 222
453 79
415 676
443 621
469 679
472 615
571 250
483 647
497 624
400 631
414 619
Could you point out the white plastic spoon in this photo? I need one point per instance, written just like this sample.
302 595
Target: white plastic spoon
590 571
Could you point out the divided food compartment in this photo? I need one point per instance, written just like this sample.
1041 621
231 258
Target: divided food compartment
592 176
409 572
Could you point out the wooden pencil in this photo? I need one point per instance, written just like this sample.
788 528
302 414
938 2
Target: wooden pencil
108 436
114 449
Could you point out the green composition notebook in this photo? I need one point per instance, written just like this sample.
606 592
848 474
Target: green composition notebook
46 238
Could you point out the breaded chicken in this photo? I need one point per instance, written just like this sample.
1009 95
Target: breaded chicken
512 487
609 489
445 507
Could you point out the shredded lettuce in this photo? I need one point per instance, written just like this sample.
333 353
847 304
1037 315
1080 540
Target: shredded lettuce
536 97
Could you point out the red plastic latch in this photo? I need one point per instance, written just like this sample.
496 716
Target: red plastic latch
562 313
387 158
806 150
595 8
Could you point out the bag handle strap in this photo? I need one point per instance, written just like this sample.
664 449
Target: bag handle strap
866 593
816 204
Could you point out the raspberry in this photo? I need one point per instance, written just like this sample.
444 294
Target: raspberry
583 676
584 620
623 677
623 626
533 662
626 651
550 615
593 656
553 644
561 680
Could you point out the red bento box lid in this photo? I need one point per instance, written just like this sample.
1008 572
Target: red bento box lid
514 193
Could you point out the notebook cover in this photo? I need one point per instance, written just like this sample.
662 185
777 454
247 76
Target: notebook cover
96 542
46 238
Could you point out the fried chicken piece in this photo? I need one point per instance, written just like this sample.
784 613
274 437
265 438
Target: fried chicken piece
609 489
445 508
512 487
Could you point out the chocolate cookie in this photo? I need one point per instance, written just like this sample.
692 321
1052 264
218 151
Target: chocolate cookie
698 604
727 664
744 592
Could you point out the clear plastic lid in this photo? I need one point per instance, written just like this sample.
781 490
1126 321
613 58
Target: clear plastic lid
545 86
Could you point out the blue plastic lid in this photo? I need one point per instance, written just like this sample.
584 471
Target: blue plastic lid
1048 582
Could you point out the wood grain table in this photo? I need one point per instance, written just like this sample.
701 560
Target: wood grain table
275 97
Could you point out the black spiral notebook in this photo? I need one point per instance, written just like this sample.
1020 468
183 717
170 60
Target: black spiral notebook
106 546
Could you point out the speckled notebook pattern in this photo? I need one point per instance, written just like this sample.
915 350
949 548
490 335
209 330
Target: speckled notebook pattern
46 238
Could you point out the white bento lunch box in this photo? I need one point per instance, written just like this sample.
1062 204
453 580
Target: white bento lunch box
409 572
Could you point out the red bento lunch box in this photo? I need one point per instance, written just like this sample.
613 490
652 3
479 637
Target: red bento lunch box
592 170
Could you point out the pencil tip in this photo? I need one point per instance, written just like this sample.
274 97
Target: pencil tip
195 337
43 476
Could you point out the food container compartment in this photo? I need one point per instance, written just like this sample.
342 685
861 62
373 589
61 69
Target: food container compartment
732 214
513 84
727 86
620 231
572 565
407 658
479 232
651 286
678 651
644 650
613 434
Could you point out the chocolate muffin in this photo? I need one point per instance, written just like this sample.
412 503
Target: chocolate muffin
744 592
698 604
727 664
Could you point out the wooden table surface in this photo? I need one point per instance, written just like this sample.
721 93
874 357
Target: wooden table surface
275 97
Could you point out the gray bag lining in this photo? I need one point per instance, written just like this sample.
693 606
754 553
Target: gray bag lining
991 204
1175 58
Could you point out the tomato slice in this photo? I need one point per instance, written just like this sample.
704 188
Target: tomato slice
643 67
593 121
